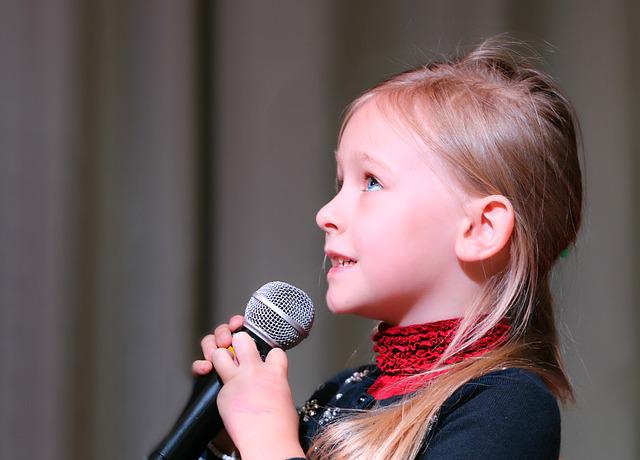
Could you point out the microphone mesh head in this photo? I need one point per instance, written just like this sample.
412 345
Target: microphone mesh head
293 302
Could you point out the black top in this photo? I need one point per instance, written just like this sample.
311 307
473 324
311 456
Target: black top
507 414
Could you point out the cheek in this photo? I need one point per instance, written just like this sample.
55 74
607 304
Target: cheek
409 240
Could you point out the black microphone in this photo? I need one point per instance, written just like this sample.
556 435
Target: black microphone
278 315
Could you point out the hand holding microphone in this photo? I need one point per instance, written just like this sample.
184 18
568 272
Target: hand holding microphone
221 338
252 397
256 402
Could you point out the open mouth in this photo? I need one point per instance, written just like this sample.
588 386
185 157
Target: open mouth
342 262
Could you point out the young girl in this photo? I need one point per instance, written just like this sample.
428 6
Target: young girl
459 186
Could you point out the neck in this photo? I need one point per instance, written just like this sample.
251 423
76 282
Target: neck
450 298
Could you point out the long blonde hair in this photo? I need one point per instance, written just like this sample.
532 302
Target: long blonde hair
502 127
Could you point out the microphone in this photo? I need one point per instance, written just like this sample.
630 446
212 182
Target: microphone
278 315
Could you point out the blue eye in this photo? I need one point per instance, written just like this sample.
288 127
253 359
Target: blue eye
372 184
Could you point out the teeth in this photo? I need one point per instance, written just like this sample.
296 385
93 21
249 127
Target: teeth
345 262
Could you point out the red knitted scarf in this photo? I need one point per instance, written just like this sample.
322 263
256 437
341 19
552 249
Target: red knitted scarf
403 351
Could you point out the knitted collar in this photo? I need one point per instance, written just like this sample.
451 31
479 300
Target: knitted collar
403 351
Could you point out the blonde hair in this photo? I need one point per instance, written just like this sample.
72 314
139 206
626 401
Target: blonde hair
502 127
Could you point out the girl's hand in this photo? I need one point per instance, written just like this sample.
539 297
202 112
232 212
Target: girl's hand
255 402
221 338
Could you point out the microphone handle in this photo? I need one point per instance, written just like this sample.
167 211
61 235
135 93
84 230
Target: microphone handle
200 420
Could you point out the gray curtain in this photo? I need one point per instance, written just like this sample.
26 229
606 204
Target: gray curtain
97 235
161 160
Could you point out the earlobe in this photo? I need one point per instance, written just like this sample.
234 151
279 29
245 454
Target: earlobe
486 230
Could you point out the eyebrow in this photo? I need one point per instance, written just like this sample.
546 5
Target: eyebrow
366 158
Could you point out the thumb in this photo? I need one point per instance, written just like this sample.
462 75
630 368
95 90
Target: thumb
277 359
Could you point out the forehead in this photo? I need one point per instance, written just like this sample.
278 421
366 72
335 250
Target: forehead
377 137
362 157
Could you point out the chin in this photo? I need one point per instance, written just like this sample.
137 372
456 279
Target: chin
345 308
338 307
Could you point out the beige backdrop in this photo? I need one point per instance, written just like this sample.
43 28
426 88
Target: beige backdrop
161 160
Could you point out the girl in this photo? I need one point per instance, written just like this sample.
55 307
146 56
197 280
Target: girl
458 187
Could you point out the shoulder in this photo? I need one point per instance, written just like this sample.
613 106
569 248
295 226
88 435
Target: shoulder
355 377
344 391
499 389
504 414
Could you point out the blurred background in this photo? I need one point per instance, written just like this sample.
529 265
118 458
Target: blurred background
160 160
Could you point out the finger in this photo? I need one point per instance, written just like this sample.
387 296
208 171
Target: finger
236 322
245 349
277 359
223 364
222 334
201 367
208 344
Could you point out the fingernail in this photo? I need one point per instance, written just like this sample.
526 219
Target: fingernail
233 354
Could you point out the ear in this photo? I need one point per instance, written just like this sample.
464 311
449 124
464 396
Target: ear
486 229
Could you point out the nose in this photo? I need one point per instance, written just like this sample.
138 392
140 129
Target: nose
327 217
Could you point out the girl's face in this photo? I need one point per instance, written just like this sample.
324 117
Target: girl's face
391 228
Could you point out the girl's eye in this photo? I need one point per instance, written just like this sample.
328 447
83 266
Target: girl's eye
338 185
372 184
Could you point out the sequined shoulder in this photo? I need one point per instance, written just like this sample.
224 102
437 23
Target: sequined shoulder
340 394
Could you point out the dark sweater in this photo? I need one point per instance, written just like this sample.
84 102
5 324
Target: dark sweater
507 414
